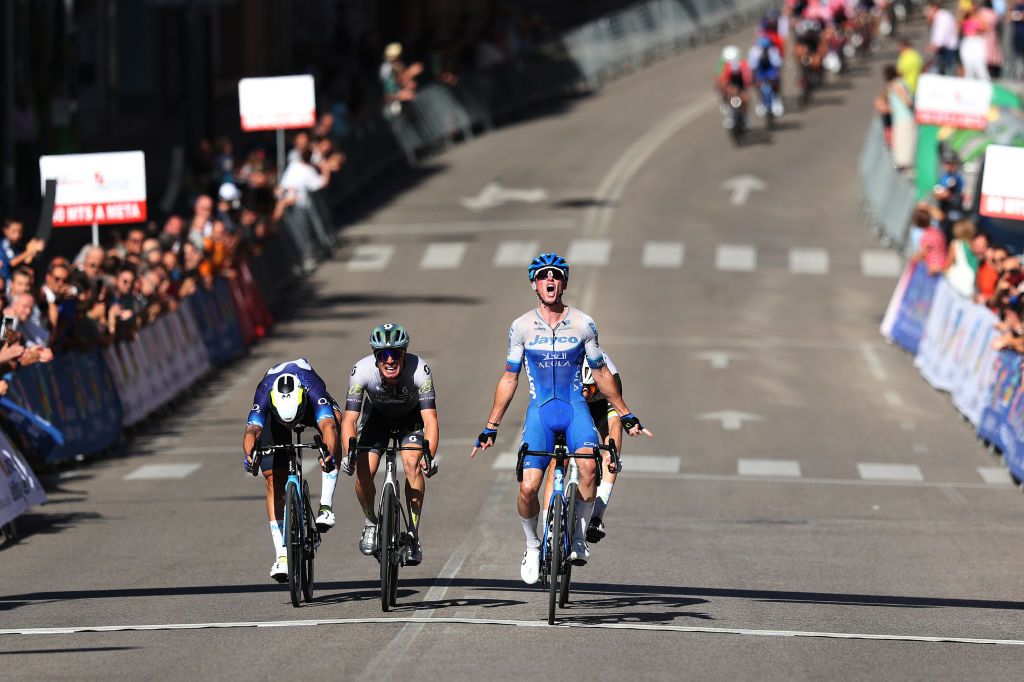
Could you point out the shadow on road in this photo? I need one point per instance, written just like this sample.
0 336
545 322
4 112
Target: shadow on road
606 610
46 523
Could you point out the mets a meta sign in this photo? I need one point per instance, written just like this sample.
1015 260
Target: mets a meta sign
1002 186
953 102
96 189
277 103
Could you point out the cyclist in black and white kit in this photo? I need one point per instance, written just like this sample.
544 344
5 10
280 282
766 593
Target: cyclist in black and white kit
391 388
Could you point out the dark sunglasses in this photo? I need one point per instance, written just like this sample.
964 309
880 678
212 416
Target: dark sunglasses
543 274
389 354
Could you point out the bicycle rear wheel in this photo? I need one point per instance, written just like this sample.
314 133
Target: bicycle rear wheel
570 496
309 552
557 531
387 547
293 543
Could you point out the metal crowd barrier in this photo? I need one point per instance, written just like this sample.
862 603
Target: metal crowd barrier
888 196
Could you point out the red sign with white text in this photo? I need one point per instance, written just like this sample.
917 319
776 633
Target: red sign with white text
1002 186
104 214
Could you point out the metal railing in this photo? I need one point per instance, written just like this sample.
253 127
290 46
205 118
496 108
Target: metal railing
888 196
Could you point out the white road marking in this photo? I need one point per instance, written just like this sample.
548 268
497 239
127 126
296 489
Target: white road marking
148 472
663 254
515 254
493 195
919 448
805 261
908 425
890 472
421 620
443 256
597 219
994 475
589 252
741 186
767 342
367 257
718 359
638 464
875 365
768 467
187 450
731 419
733 478
735 257
880 263
461 227
893 399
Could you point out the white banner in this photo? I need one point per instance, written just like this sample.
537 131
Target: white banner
951 101
274 103
19 488
1002 185
974 380
107 189
944 321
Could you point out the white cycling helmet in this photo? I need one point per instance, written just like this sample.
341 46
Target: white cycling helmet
288 398
731 54
587 375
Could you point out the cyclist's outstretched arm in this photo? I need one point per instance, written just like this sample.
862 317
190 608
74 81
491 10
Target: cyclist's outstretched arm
249 438
503 395
329 432
610 389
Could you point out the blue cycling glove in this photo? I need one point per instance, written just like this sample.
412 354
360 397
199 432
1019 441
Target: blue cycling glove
247 464
487 433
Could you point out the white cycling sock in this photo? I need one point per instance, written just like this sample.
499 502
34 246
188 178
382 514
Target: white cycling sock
328 482
368 523
542 528
277 534
604 493
584 510
530 528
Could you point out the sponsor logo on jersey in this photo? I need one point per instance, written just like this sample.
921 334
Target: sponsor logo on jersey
543 339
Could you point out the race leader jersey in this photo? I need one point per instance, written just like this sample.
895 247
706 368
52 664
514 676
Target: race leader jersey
554 356
316 391
415 388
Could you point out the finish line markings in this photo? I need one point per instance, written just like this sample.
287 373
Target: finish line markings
510 623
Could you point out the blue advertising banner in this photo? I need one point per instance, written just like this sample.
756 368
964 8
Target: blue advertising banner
1006 370
908 326
218 325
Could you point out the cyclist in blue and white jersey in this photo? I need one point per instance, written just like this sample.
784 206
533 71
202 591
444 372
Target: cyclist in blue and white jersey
552 342
294 396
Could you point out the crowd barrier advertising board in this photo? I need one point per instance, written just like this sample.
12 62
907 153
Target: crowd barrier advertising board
912 311
19 488
1002 185
950 101
277 103
973 383
937 354
106 189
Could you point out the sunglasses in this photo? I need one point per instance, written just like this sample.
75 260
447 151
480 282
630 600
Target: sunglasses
543 274
389 355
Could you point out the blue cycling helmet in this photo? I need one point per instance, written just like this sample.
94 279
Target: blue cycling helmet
548 260
764 42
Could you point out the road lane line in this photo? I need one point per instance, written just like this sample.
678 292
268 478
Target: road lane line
514 254
589 252
875 365
733 478
663 254
768 467
995 475
443 256
369 257
893 399
880 263
735 258
889 472
420 620
460 227
153 472
808 261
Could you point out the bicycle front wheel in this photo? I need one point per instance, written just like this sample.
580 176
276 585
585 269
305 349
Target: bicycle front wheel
309 552
555 556
387 546
293 543
570 496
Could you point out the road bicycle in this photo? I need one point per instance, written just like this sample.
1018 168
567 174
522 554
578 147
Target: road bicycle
392 541
555 565
301 538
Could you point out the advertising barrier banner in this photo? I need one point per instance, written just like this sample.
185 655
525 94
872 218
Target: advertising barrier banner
1002 185
973 384
937 354
951 101
908 326
19 488
1005 384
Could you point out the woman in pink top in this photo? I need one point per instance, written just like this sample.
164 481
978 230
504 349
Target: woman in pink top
972 46
993 50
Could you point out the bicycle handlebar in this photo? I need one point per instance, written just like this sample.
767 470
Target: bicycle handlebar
424 448
318 444
613 467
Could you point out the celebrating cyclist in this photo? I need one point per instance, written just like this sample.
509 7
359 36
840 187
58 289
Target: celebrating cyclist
554 340
294 396
392 388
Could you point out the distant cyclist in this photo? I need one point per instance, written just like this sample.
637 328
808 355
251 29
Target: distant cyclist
553 341
734 79
765 61
609 427
392 388
294 396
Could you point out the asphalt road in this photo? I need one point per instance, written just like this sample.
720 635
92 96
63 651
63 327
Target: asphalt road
809 508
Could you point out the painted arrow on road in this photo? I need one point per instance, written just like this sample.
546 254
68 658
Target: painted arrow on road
741 186
731 419
494 195
719 359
